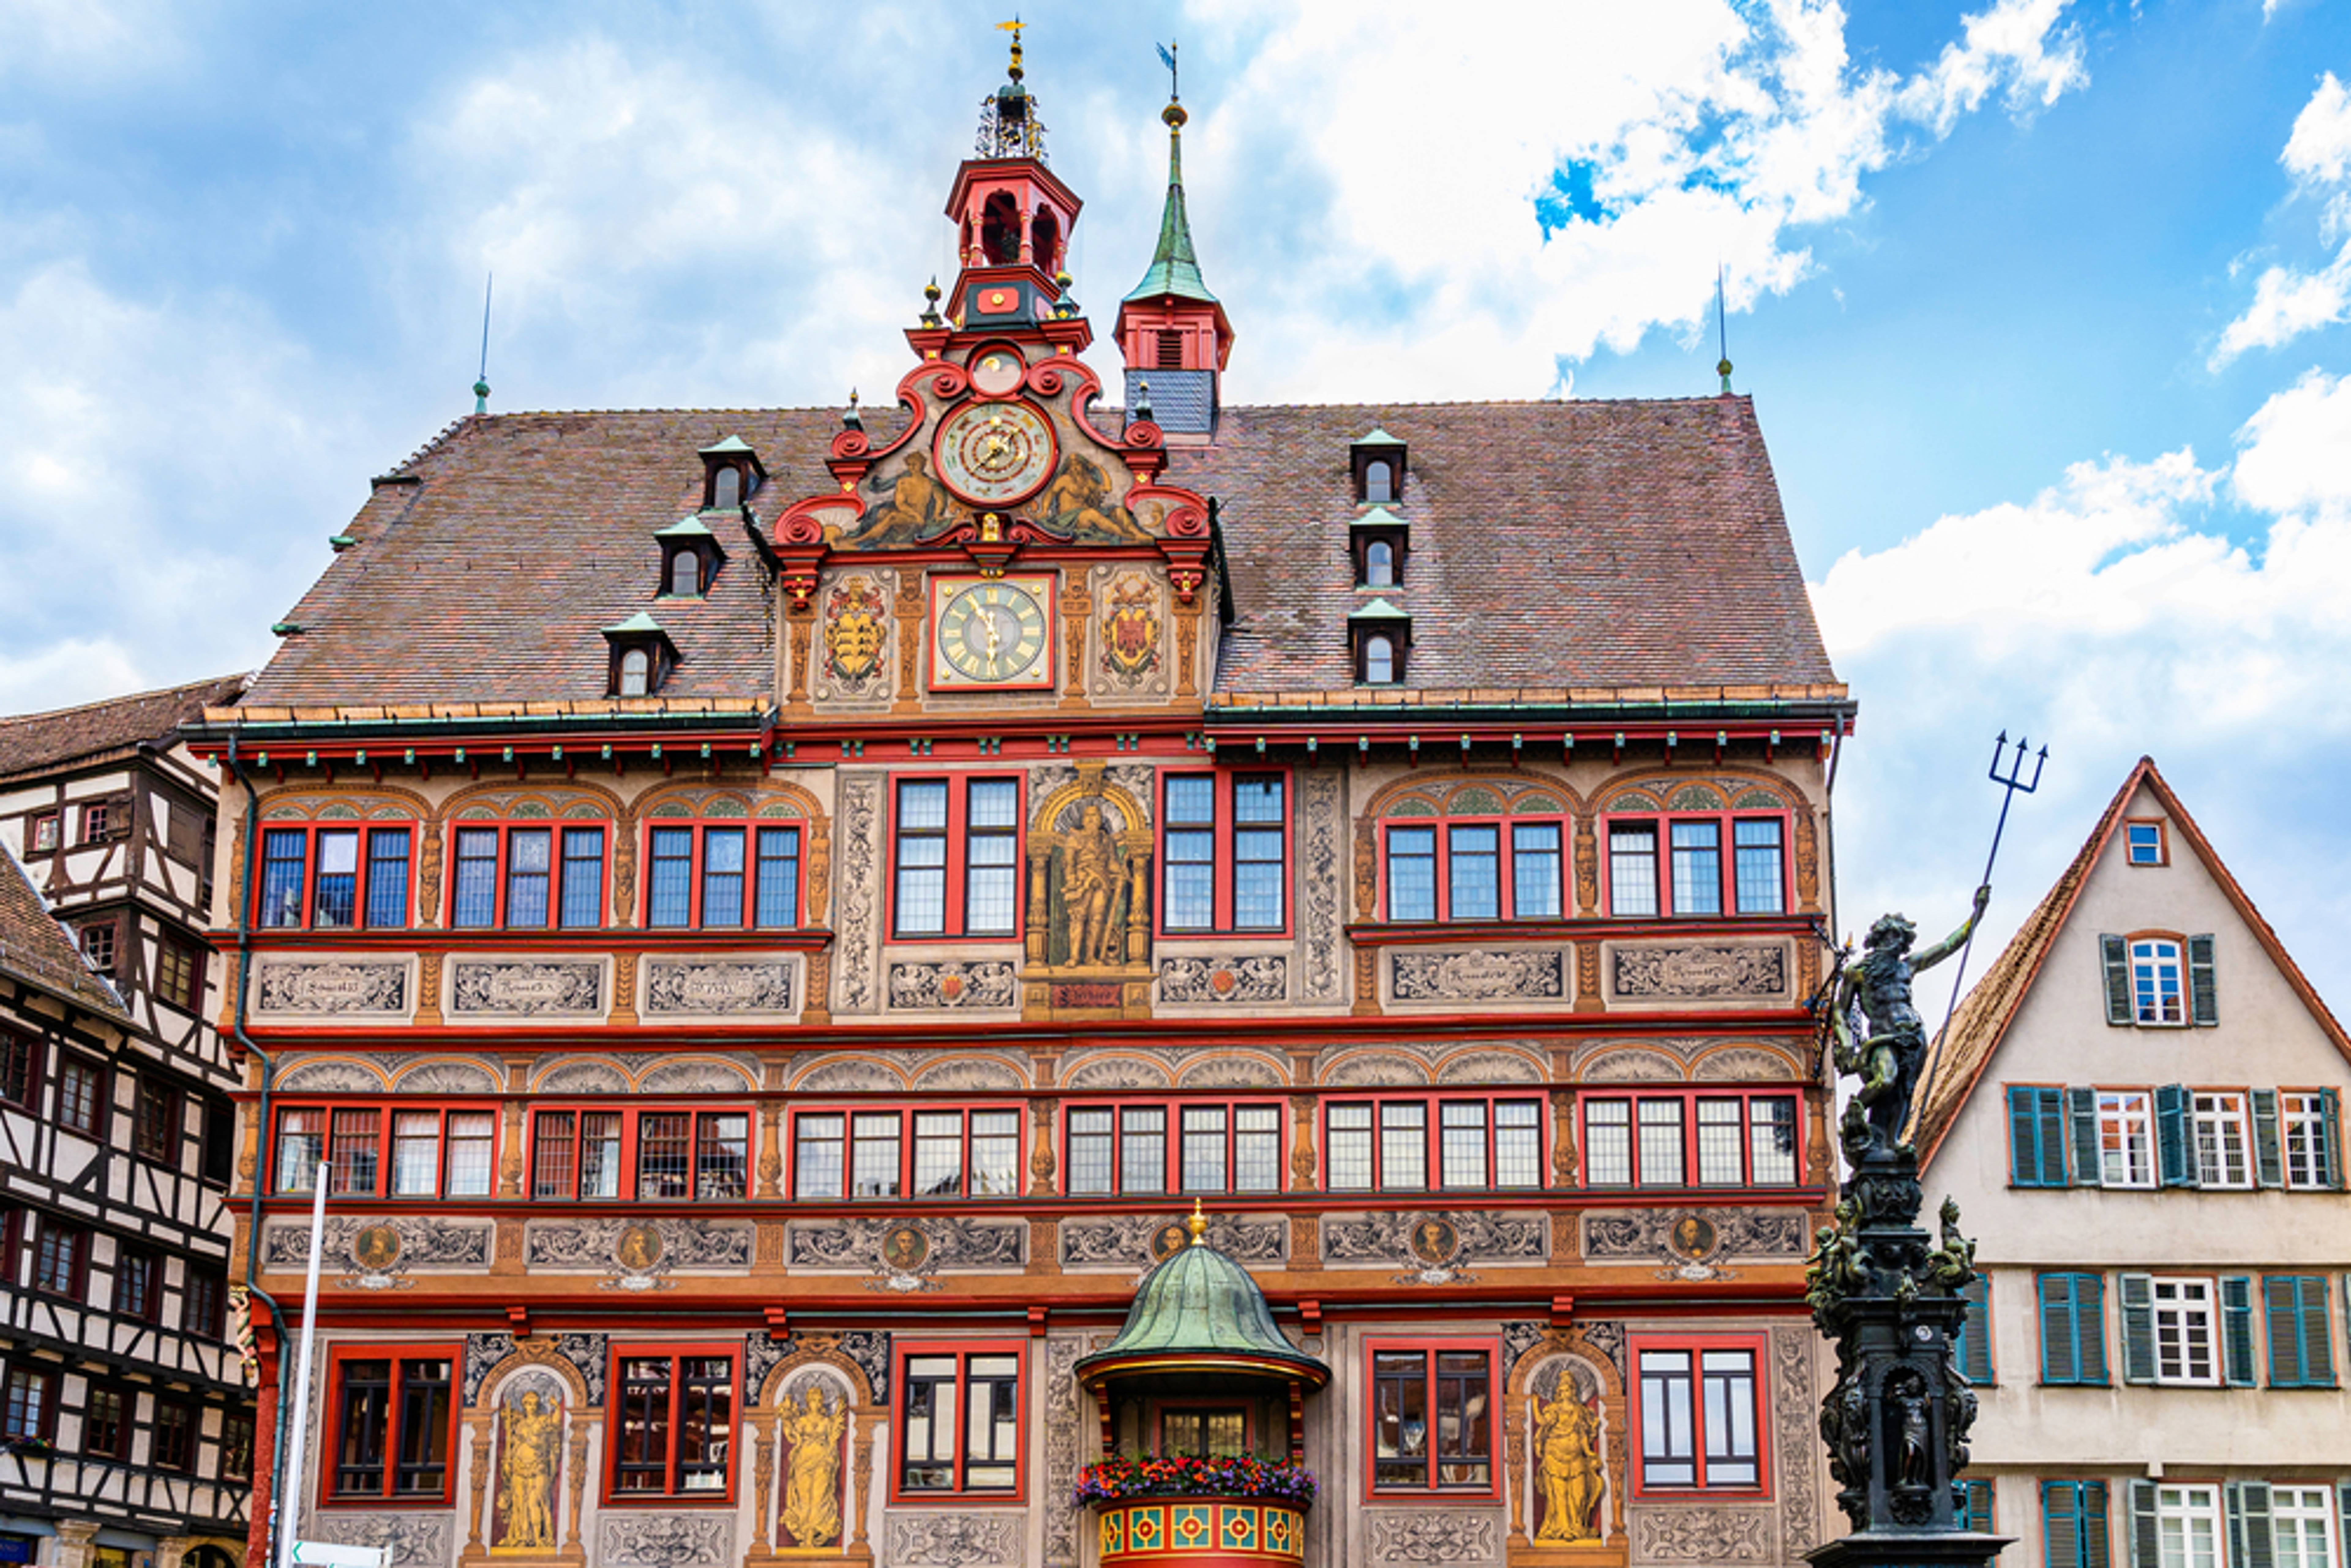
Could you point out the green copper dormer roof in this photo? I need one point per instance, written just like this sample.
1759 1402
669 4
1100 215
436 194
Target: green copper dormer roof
1379 610
1200 1311
1174 269
687 528
1376 437
1378 518
729 447
638 625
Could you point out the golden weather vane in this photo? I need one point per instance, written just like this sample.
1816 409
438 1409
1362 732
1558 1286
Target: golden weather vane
1013 28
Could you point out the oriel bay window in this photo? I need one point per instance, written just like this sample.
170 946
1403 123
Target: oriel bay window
946 1152
957 866
1432 1417
527 878
1189 1146
1686 866
334 878
1226 852
394 1419
1697 1420
373 1151
1692 1139
722 878
959 1431
673 1425
1412 1144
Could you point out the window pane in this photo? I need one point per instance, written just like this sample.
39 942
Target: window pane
991 878
1668 1444
1462 1126
1143 1149
335 900
643 1465
1771 1141
283 852
583 877
2155 982
1474 868
722 1154
351 1153
1607 1142
663 1159
1191 853
1347 1159
669 884
874 1154
1412 873
1698 868
1518 1144
922 879
1534 871
1379 661
1400 1418
1404 1146
416 1152
816 1165
386 879
1203 1148
722 876
1661 1143
1257 1148
476 901
779 877
706 1424
1758 845
995 1154
1257 852
554 1154
1720 1135
600 1154
1633 869
424 1467
528 867
1730 1379
1090 1151
938 1153
363 1415
301 1144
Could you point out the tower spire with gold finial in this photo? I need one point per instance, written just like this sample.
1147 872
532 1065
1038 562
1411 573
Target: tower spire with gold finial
1174 269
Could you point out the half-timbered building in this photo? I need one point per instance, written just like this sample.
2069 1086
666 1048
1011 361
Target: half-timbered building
771 920
127 1435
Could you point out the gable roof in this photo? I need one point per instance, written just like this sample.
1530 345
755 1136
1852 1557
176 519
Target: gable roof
1977 1030
39 741
1629 544
36 949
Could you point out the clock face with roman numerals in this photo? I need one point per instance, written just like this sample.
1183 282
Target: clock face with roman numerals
992 632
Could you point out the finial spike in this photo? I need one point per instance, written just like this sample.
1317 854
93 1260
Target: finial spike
1013 28
1197 1225
1722 331
482 377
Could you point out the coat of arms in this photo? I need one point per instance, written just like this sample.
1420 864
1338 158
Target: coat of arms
853 629
1131 628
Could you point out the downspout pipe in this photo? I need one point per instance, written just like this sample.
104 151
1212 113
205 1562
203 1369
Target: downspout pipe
243 894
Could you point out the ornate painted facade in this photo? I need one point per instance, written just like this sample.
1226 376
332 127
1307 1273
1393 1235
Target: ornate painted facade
788 973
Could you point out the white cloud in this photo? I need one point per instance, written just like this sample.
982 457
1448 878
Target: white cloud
2319 150
2289 300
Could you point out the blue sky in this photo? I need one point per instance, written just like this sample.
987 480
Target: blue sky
2043 304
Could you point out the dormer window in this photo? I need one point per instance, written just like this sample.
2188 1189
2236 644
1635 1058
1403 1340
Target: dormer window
1378 463
1379 540
641 657
1380 635
731 471
690 558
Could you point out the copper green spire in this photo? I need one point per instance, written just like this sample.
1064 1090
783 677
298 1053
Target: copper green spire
1174 269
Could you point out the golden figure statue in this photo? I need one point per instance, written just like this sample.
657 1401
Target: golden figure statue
1567 1460
527 1474
1090 872
812 1481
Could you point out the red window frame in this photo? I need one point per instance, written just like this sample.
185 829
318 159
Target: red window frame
1632 1097
1224 830
386 1114
1429 1349
1726 870
331 1427
906 1117
1172 1134
627 1181
1758 1361
963 1350
1505 858
362 875
502 882
99 820
54 820
616 1413
700 827
953 920
1431 1139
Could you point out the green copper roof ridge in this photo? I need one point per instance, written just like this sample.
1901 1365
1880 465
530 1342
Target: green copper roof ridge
1174 266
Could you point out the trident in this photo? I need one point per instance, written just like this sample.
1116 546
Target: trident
2012 785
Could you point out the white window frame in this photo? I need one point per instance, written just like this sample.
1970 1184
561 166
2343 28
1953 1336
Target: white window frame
2152 958
2303 1535
2302 1137
2222 1129
2179 1509
2186 1318
2126 1138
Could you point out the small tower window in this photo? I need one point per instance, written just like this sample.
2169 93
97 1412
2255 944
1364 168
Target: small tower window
636 673
1379 564
1379 660
686 574
999 230
1170 351
726 487
1377 460
1044 239
1379 482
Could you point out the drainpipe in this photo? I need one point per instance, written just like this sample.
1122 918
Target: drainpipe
261 1158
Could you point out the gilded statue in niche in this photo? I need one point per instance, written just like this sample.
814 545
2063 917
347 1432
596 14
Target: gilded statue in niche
531 1430
1088 878
812 1473
1078 504
1567 1460
1090 883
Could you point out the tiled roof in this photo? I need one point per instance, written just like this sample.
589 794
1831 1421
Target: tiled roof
35 948
1983 1018
38 740
1554 545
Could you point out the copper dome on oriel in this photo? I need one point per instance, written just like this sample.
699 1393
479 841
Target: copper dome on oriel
1200 1311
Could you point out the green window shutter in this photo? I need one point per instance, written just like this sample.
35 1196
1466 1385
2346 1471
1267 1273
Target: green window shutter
2094 1550
2269 1162
2082 1112
2237 1330
2146 1535
2252 1543
2090 1315
2024 1138
2302 1349
2317 1334
2330 1158
1978 1494
2049 1110
1974 1345
2175 1156
2061 1524
2203 994
2059 1360
2115 953
2137 1293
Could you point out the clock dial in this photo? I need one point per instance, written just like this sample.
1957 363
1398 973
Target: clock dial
994 634
994 453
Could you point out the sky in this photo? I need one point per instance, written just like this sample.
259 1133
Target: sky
2043 307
